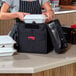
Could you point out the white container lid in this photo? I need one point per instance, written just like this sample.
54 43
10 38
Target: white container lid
35 16
6 39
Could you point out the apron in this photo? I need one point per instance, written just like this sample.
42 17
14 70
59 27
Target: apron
32 7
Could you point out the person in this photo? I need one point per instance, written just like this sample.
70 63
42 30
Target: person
20 8
15 4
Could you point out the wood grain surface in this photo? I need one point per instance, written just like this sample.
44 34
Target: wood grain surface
69 7
67 70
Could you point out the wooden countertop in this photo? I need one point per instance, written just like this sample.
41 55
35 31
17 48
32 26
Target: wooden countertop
69 7
32 63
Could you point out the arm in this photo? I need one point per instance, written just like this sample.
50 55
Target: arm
49 12
4 15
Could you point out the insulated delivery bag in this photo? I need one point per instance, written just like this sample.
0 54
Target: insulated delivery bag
32 35
56 34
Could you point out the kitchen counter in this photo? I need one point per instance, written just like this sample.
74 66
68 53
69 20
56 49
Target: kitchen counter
33 63
70 7
64 11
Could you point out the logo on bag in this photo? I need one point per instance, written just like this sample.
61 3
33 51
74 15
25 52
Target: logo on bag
31 37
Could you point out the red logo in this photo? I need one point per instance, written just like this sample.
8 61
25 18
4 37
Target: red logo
31 37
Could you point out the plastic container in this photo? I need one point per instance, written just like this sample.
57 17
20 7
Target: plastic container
6 45
7 51
55 3
37 18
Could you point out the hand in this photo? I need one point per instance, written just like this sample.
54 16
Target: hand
21 15
49 15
